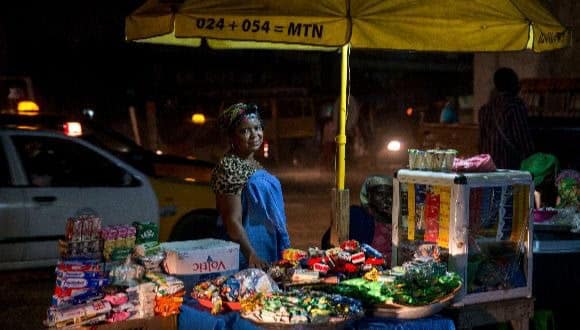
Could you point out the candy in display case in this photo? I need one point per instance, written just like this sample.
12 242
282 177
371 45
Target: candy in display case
480 224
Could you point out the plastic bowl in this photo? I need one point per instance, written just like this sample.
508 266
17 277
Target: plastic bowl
544 215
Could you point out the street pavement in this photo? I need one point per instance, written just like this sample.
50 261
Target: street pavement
307 196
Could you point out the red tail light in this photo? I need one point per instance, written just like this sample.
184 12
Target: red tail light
73 128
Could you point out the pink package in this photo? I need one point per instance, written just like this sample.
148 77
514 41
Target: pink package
479 163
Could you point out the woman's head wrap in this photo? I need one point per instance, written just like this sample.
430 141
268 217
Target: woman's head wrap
370 182
541 165
233 116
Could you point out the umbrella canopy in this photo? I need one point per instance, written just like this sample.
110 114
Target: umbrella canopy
424 25
455 25
265 23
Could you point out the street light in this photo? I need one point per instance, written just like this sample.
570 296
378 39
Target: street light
198 118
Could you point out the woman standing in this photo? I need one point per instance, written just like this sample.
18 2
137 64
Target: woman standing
248 198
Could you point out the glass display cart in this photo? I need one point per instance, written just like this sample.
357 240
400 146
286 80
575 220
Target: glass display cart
479 223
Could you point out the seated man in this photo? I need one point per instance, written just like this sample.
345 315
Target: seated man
370 222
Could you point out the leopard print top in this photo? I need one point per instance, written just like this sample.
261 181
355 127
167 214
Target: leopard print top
231 174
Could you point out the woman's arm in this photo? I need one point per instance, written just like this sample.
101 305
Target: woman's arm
230 209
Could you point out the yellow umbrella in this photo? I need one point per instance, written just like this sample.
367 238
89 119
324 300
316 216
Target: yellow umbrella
456 25
420 25
424 25
265 23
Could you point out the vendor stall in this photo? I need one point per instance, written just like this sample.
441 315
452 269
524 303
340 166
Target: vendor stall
480 224
120 276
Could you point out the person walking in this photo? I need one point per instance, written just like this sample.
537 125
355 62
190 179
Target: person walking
503 123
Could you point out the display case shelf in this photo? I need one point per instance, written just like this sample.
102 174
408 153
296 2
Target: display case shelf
478 223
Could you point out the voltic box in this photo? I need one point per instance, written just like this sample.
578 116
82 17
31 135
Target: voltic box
201 256
479 223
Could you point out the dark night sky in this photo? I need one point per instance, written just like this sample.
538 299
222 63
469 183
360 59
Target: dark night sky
76 55
75 52
68 48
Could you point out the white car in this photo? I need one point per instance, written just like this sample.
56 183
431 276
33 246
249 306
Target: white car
47 177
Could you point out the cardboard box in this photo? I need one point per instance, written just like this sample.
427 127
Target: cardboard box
199 257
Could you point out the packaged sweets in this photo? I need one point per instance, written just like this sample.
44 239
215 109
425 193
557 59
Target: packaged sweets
146 232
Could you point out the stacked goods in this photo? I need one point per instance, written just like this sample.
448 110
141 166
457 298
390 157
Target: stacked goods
79 276
127 274
147 250
432 160
349 260
78 315
229 291
147 238
77 282
121 308
118 242
81 238
148 295
302 307
142 296
169 293
89 291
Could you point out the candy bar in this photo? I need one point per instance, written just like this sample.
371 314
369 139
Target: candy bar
333 252
315 252
358 258
293 254
78 274
304 275
117 299
79 283
314 260
64 292
83 298
374 261
386 278
78 313
371 251
86 229
146 232
350 245
230 289
118 316
321 268
344 256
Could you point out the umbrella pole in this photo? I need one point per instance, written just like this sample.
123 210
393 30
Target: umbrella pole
340 195
341 137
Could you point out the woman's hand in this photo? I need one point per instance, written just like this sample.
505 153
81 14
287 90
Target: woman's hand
256 262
